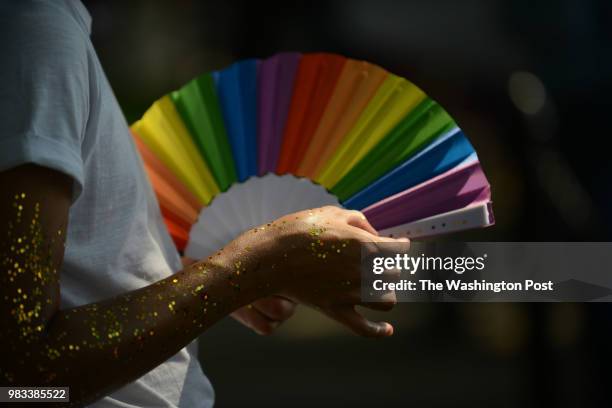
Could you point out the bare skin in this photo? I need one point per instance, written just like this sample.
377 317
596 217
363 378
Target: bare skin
311 257
263 316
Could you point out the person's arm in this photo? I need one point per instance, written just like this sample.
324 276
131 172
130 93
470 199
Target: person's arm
263 316
99 347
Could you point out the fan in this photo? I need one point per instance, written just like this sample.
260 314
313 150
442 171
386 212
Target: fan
239 147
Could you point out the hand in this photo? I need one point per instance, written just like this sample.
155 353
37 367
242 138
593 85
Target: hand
317 257
264 315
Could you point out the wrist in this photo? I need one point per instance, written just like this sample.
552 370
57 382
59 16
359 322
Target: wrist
247 264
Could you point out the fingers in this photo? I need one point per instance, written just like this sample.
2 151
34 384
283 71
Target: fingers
402 240
255 320
265 315
349 317
380 306
275 308
383 302
357 219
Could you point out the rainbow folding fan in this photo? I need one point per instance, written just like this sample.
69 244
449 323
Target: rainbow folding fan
240 147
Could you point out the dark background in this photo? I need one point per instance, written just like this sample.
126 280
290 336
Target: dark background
528 81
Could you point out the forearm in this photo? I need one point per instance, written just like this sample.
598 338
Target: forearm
122 338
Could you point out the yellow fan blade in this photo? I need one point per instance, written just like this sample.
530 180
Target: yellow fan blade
163 131
395 98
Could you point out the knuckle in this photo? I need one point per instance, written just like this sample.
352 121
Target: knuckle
389 304
266 329
390 297
282 310
357 214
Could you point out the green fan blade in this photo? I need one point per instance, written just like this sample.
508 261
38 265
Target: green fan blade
198 105
426 122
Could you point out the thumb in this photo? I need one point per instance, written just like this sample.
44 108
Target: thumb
349 317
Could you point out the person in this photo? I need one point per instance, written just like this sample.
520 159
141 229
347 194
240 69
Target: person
93 294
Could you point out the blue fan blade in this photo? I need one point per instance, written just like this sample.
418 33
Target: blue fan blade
237 91
443 154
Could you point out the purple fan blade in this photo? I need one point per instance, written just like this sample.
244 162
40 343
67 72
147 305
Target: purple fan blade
275 87
452 190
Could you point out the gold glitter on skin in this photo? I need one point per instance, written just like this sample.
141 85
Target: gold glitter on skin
124 337
26 250
148 325
121 326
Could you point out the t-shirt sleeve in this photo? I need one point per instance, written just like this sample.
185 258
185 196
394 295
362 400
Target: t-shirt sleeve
44 92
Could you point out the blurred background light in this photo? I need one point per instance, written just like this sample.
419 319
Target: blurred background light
527 92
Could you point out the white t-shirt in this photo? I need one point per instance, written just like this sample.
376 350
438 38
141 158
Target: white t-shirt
58 110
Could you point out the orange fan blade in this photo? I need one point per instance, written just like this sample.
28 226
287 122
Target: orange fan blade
356 86
314 83
167 198
179 235
168 188
172 217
